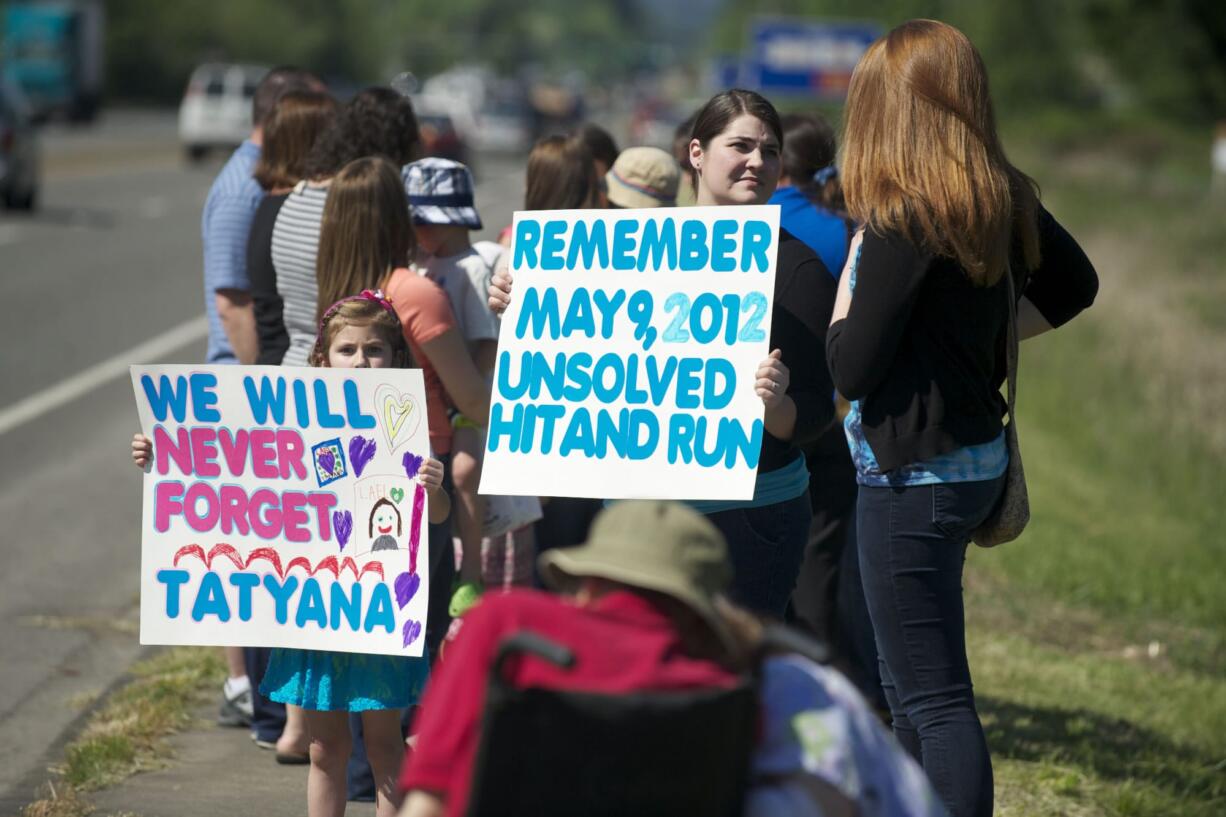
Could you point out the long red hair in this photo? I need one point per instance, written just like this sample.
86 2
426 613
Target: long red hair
922 157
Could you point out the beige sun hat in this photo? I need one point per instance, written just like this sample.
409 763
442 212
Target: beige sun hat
643 177
654 545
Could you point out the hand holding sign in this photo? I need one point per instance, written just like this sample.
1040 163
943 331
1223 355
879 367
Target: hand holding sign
500 291
772 380
627 358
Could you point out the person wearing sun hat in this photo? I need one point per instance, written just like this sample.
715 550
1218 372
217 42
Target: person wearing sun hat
643 615
661 547
643 177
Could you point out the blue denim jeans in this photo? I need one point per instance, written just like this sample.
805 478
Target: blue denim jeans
912 547
268 719
766 546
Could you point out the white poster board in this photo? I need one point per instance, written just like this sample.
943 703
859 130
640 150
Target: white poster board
626 359
281 508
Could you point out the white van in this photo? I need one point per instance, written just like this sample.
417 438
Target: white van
216 107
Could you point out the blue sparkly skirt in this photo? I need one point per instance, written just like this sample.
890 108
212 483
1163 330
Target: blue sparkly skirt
342 681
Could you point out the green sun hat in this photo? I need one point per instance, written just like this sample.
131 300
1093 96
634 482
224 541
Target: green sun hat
654 545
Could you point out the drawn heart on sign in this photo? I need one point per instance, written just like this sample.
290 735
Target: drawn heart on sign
406 585
327 460
412 463
361 452
397 495
398 413
411 630
342 523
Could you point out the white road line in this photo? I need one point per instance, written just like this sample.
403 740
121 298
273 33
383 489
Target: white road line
65 391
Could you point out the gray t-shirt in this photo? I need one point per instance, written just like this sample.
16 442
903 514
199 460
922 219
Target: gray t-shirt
295 248
465 278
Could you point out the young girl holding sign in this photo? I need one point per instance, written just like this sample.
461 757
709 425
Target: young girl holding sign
360 331
366 242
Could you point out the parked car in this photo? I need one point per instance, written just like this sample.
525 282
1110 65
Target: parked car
216 107
19 150
505 127
439 136
490 113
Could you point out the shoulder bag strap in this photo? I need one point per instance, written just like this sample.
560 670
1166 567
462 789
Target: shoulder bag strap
1011 345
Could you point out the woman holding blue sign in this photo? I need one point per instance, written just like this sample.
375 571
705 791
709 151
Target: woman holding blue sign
958 260
735 152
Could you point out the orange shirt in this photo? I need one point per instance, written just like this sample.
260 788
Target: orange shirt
425 315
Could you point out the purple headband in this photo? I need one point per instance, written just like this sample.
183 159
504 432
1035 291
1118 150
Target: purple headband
372 295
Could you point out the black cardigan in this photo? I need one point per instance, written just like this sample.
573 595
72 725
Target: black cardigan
804 300
923 349
266 301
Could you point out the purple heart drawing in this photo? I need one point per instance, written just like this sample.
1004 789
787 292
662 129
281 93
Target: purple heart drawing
327 460
412 464
406 585
342 523
361 452
411 630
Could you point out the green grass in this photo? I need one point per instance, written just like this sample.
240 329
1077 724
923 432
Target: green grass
1102 730
126 734
1098 640
1129 510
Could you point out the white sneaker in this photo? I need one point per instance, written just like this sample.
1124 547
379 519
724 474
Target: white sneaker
236 706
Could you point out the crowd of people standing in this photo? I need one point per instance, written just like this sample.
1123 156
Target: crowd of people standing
901 267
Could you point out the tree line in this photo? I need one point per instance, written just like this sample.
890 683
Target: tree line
1164 57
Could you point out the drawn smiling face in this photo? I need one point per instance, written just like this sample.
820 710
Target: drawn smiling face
384 520
385 525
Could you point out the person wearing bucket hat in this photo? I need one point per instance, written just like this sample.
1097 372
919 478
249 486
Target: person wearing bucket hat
643 177
440 193
644 616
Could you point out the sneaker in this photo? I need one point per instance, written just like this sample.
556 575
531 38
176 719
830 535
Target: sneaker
463 598
235 710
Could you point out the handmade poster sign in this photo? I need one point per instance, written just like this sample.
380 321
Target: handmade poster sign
626 359
281 508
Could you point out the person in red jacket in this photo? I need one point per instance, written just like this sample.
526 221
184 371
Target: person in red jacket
642 616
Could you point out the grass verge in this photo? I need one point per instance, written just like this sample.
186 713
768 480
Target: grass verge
1083 720
1097 640
126 734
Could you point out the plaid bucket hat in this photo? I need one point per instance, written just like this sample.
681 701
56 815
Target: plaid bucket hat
440 191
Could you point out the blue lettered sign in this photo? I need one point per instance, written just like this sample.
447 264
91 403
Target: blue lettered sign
626 360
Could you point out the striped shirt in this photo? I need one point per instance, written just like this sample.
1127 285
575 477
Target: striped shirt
228 213
295 246
972 463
